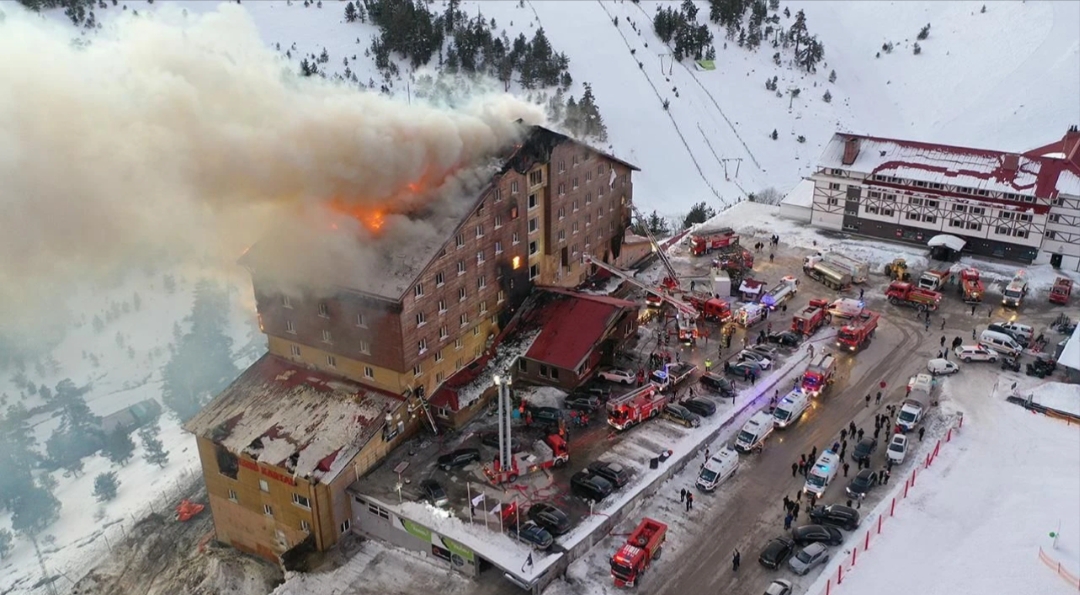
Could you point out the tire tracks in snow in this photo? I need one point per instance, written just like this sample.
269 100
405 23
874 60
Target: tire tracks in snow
674 124
715 103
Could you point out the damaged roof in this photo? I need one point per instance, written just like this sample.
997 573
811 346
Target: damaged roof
572 325
307 422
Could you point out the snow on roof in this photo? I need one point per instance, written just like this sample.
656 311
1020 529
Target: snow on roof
505 355
981 169
1056 395
949 241
572 325
1070 355
284 415
802 195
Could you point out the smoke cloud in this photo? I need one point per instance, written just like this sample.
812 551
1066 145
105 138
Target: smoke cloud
182 135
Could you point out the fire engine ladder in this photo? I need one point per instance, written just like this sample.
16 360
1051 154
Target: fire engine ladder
656 247
688 310
426 406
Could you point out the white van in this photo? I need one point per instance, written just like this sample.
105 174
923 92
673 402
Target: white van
1024 331
941 367
790 408
753 434
846 308
999 342
818 479
721 466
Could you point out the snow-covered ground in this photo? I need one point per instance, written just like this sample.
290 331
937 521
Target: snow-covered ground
978 516
78 537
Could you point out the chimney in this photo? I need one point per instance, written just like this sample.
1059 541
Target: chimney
851 151
1071 145
1011 162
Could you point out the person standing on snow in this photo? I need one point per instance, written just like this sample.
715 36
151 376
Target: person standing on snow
735 561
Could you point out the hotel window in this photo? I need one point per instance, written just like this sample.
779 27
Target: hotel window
498 221
959 208
418 291
533 202
515 239
575 160
233 497
440 280
498 247
562 213
533 248
915 201
463 319
327 337
286 302
562 235
498 195
301 501
264 486
458 344
442 306
974 226
289 328
480 209
360 321
324 311
574 227
331 361
438 358
887 212
461 267
534 225
588 198
514 187
913 216
479 231
461 294
871 210
438 379
588 177
536 178
480 257
365 347
502 296
483 308
534 271
421 319
562 166
833 202
268 510
481 282
932 204
417 370
305 526
834 186
956 223
600 191
369 372
421 346
459 240
562 189
574 184
929 219
443 333
345 525
295 350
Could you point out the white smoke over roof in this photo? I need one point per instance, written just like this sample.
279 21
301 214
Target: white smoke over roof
169 134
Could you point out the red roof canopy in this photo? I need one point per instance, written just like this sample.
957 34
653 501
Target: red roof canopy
573 324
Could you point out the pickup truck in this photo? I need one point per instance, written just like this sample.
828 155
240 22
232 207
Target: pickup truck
672 374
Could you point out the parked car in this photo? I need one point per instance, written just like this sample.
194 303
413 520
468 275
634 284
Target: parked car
550 517
741 368
590 486
545 415
747 355
785 339
579 402
433 492
458 458
1007 330
616 473
864 449
1020 331
765 349
807 558
837 515
718 383
700 407
618 375
975 353
492 439
808 534
941 367
775 552
897 450
532 534
862 483
681 415
779 587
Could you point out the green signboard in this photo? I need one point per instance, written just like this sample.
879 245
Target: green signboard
417 530
458 549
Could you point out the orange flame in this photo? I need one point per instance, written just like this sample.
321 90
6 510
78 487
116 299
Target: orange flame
373 217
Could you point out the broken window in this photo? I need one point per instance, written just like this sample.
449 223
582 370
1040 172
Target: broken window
228 464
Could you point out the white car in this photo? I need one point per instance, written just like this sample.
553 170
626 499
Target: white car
618 375
975 353
942 367
779 587
897 449
753 356
1018 329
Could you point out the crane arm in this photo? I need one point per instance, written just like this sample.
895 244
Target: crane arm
656 246
687 309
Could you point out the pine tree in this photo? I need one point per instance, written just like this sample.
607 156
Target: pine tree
924 32
350 13
155 451
699 213
33 510
17 456
917 49
7 542
592 124
106 486
119 446
79 434
832 76
827 97
774 135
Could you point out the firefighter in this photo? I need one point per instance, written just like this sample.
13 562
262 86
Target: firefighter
708 365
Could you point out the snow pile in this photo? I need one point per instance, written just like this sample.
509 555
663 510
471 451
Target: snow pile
542 396
1056 395
980 514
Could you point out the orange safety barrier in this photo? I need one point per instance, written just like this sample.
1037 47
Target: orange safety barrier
1054 565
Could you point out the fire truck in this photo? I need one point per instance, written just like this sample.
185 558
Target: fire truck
705 240
857 333
971 287
636 406
811 318
686 313
935 279
672 374
901 293
1059 293
819 375
781 292
550 452
711 308
635 556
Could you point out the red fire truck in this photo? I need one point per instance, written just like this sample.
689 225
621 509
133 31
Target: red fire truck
856 333
1059 293
811 318
636 406
906 294
711 308
703 241
643 546
971 287
550 452
819 374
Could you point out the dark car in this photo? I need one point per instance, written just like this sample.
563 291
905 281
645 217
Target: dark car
433 492
719 384
1020 338
702 407
808 534
492 439
590 486
862 483
776 552
765 349
545 415
864 449
458 458
681 415
550 517
785 339
582 402
845 517
532 534
740 369
617 474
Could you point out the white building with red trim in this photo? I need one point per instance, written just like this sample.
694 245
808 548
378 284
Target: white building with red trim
1016 206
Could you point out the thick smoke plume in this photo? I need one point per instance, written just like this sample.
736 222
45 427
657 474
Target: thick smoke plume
182 135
